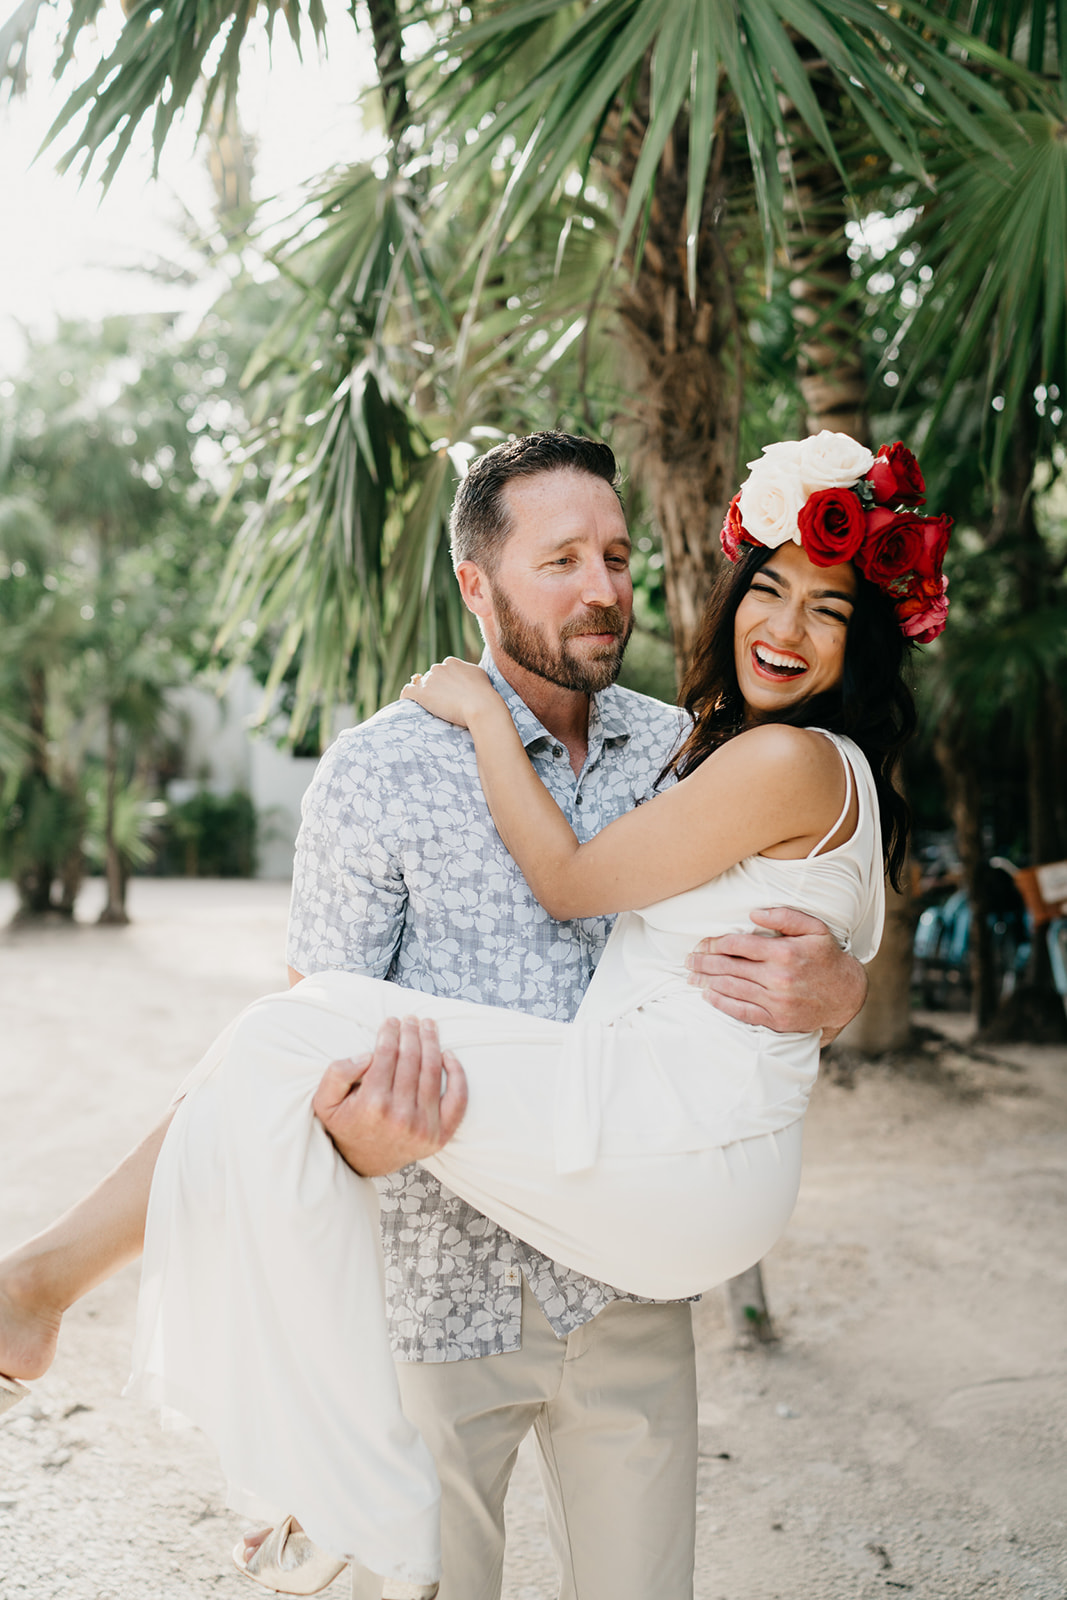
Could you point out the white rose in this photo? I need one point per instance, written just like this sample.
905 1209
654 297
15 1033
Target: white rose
832 461
770 503
786 453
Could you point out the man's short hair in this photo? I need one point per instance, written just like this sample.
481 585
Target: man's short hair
480 523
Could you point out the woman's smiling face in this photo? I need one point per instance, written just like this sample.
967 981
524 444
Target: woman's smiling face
790 631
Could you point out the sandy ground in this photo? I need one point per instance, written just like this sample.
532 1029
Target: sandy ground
904 1437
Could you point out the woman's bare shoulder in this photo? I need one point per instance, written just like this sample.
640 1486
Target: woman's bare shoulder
775 748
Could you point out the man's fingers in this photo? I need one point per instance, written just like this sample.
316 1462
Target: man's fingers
454 1099
740 1010
782 920
430 1071
384 1058
717 966
337 1083
708 955
734 987
785 920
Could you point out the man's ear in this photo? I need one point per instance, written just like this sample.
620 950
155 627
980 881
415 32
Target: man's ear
474 587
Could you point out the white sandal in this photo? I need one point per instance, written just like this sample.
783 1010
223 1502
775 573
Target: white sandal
11 1392
288 1562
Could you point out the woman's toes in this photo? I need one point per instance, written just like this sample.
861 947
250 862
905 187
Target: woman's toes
252 1541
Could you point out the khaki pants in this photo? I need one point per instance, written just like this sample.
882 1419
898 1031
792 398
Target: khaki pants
613 1409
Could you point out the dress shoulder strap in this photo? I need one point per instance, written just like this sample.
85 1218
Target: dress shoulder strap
848 799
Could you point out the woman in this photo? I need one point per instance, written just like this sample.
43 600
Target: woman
652 1143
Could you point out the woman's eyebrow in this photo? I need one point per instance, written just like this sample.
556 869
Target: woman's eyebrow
818 594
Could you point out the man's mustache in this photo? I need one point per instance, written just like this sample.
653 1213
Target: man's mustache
600 619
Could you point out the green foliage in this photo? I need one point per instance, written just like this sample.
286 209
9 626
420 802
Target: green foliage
210 836
699 53
41 827
110 554
134 825
994 241
447 294
166 76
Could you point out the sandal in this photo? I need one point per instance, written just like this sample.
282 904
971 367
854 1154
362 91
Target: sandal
11 1392
288 1562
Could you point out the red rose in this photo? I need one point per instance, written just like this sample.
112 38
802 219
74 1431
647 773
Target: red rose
733 530
892 548
918 595
896 476
923 619
831 524
935 542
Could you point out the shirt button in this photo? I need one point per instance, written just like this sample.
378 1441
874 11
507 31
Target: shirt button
557 750
512 1277
577 799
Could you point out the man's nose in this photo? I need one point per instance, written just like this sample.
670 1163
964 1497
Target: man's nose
598 585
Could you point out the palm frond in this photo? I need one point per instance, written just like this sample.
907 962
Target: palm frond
158 65
15 36
995 240
981 671
902 72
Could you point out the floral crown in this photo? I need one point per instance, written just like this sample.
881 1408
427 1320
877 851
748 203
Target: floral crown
839 502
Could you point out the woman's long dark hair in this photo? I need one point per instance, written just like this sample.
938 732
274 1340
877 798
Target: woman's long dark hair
872 704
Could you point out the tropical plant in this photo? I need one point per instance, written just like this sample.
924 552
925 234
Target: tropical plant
110 560
41 812
971 310
673 124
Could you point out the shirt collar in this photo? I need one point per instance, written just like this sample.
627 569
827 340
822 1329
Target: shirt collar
607 715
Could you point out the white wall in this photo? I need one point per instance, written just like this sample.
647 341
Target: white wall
221 754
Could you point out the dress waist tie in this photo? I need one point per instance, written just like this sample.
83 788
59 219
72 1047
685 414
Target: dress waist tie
579 1096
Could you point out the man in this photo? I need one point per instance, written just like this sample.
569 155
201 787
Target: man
400 873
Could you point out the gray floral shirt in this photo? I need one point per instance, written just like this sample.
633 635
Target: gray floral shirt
400 873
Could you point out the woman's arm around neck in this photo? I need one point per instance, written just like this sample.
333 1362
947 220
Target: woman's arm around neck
772 786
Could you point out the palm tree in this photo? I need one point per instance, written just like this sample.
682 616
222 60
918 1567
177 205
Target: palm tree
41 811
985 337
686 113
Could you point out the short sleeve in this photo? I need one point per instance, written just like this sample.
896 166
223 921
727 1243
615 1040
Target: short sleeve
349 896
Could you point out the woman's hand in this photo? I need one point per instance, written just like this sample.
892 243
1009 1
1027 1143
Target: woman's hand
453 690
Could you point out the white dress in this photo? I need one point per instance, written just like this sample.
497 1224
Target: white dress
652 1143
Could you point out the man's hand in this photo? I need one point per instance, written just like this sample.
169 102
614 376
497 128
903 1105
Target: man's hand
800 983
386 1110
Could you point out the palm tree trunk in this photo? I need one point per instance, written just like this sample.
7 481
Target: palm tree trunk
684 365
830 367
114 912
33 878
1035 1012
833 385
959 772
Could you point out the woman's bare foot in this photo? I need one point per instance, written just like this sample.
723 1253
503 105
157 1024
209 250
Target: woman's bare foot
29 1324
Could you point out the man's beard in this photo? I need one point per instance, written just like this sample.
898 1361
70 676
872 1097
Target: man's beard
527 645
